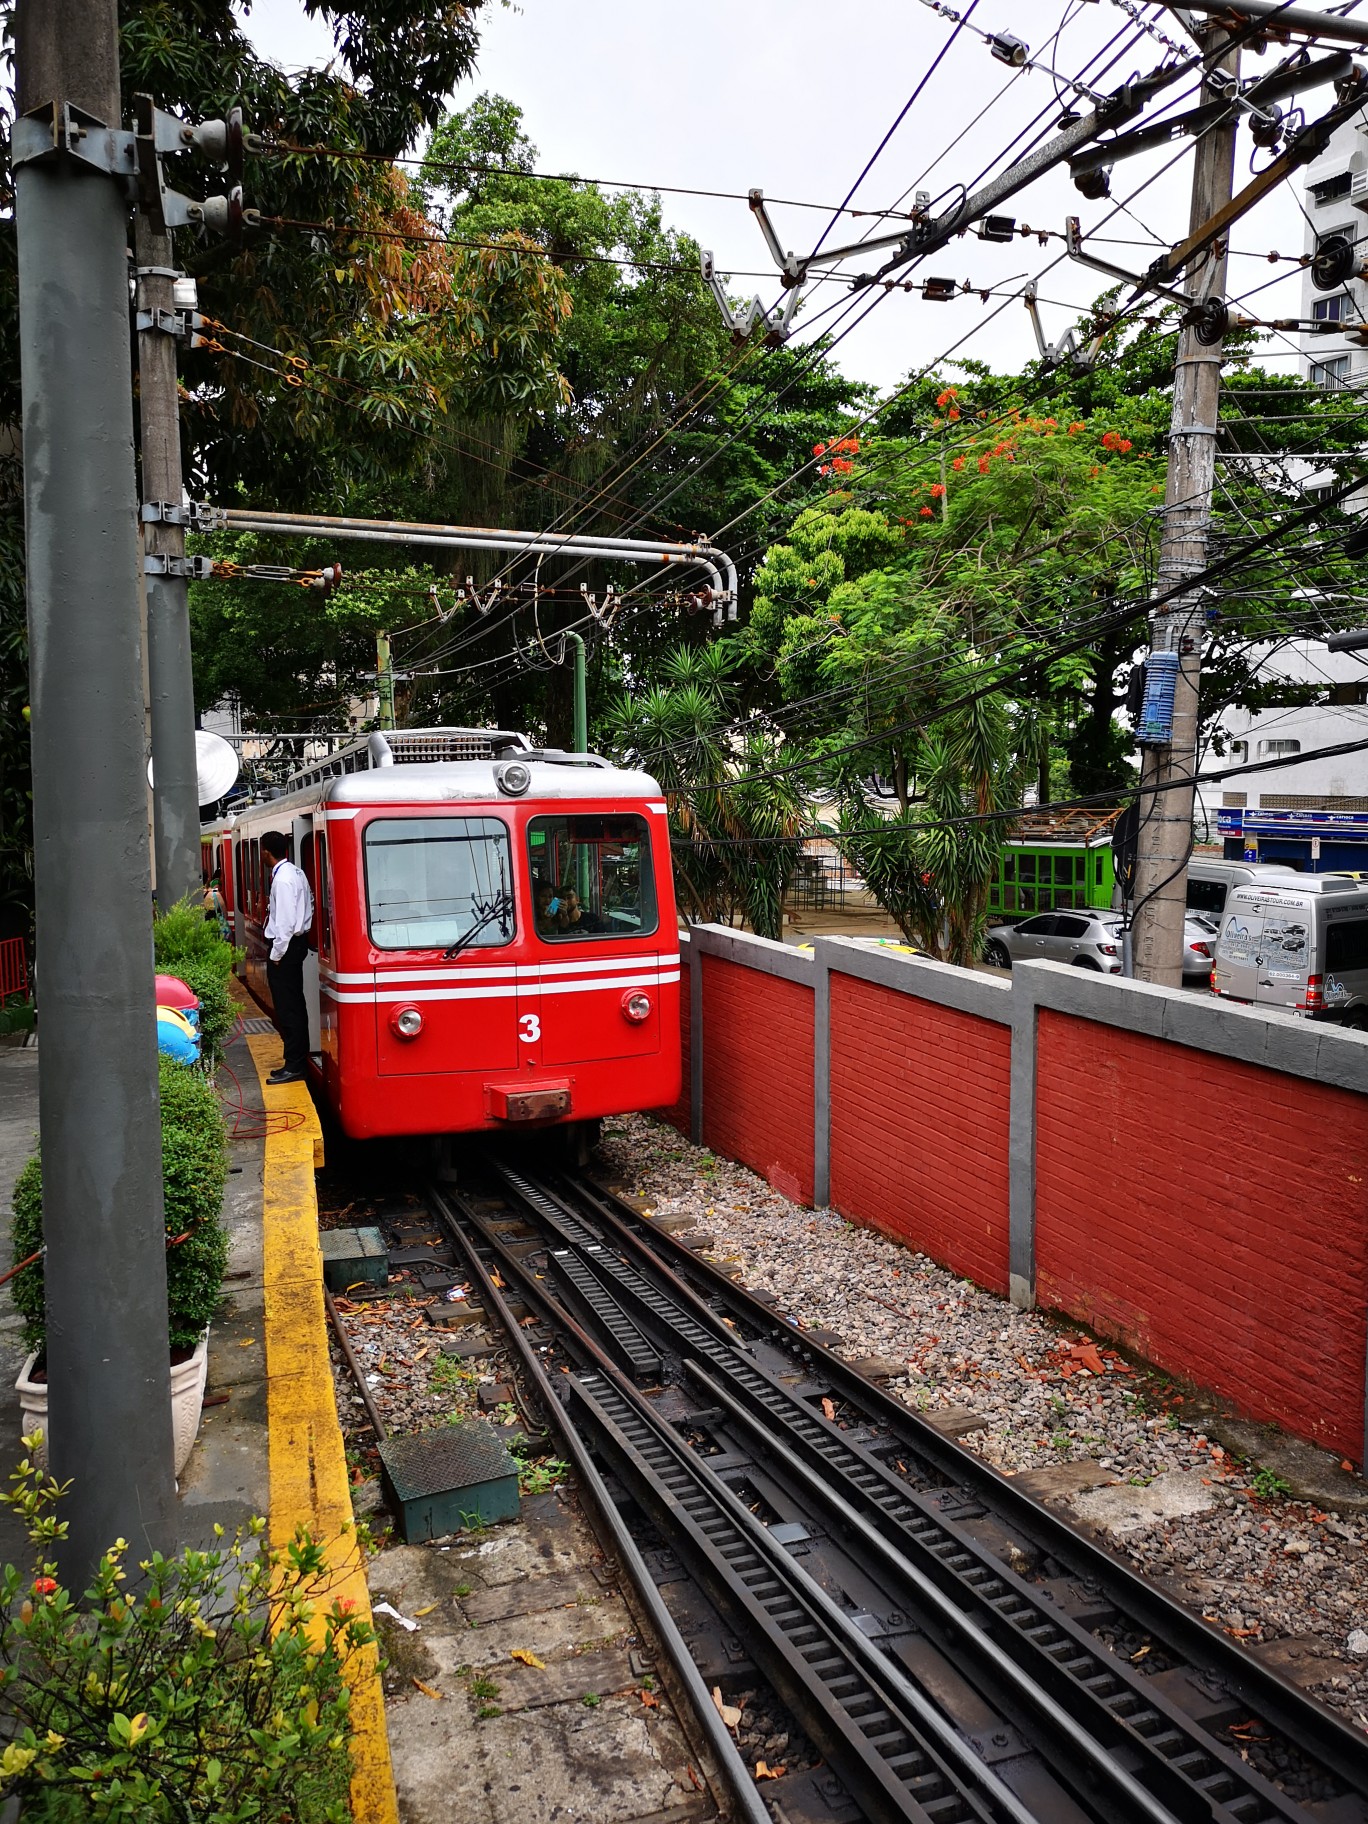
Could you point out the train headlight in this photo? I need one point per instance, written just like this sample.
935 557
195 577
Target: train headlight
636 1006
514 778
407 1022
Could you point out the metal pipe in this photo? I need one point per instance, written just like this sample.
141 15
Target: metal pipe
1292 18
492 538
379 749
581 735
357 1372
108 1355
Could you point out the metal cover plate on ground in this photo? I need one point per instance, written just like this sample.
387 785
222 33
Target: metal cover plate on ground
452 1477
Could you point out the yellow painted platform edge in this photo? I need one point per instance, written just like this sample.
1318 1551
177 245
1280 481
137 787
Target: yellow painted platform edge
308 1479
292 1096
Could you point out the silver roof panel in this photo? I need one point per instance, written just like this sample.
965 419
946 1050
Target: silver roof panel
455 781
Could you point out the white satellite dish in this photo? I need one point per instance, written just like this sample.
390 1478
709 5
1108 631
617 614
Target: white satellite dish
216 764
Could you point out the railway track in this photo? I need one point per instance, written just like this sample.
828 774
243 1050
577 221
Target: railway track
951 1650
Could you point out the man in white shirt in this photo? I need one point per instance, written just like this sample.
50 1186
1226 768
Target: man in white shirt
288 922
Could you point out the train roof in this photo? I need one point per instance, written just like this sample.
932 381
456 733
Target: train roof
452 781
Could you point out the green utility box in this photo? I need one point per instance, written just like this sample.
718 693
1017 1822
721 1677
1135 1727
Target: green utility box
353 1257
449 1479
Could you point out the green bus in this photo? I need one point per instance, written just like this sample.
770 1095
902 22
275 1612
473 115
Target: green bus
1050 861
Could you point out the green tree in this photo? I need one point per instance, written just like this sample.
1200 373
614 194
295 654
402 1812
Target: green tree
736 823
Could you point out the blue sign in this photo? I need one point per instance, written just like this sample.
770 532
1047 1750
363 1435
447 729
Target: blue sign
1251 854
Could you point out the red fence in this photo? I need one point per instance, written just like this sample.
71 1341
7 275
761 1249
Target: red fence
13 969
1184 1176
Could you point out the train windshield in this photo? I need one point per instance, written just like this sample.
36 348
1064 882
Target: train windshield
438 882
592 877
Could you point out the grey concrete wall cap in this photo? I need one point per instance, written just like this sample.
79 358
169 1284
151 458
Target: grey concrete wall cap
1203 1022
753 952
988 997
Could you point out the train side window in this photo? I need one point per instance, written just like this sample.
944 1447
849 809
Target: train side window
596 871
322 911
254 865
237 871
436 882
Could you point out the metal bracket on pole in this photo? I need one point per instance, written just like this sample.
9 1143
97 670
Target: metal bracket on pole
64 129
194 515
743 320
169 322
1067 349
195 569
223 142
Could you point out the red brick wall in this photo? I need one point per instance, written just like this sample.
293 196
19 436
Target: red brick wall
678 1114
757 1073
1212 1215
919 1107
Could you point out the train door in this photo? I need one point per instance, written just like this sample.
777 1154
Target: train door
304 844
442 920
325 944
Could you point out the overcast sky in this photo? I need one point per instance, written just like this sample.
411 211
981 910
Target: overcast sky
795 95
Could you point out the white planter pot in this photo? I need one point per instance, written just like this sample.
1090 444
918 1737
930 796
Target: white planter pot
187 1401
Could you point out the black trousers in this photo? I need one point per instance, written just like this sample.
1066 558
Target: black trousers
285 980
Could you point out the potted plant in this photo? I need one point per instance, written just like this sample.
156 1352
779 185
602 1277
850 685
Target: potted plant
194 1171
188 946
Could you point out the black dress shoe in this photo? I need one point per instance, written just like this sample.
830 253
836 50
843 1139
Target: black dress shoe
286 1076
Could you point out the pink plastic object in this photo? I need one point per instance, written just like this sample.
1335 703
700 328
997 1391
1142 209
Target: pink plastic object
172 992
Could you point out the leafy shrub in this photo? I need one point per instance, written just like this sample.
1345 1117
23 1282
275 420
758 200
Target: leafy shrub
187 945
194 1172
207 1691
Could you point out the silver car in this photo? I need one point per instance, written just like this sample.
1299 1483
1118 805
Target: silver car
1091 940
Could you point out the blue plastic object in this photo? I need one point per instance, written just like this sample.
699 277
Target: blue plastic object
1155 727
176 1037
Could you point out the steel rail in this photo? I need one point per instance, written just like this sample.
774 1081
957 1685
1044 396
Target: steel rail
616 1539
1293 1713
1022 1646
835 1680
792 1626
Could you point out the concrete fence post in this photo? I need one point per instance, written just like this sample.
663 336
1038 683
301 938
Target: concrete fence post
821 1073
695 1037
1021 1146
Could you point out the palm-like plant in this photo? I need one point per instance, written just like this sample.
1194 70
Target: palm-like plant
736 828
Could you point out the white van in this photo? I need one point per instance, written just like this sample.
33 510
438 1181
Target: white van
1300 944
1209 882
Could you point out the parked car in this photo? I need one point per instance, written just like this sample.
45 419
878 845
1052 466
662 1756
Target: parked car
1091 940
1299 944
1088 940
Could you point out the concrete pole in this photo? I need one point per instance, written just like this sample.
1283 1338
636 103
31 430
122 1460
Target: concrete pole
384 680
108 1361
1165 835
175 778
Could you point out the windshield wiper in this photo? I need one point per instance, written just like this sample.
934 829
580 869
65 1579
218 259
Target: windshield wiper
500 910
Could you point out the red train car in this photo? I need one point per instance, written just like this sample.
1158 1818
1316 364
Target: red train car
495 940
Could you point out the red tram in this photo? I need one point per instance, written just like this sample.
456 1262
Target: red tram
495 938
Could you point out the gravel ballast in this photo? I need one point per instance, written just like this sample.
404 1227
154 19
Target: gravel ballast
1220 1533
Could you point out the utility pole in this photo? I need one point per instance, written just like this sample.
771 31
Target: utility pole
581 725
1165 816
384 680
105 1271
175 778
